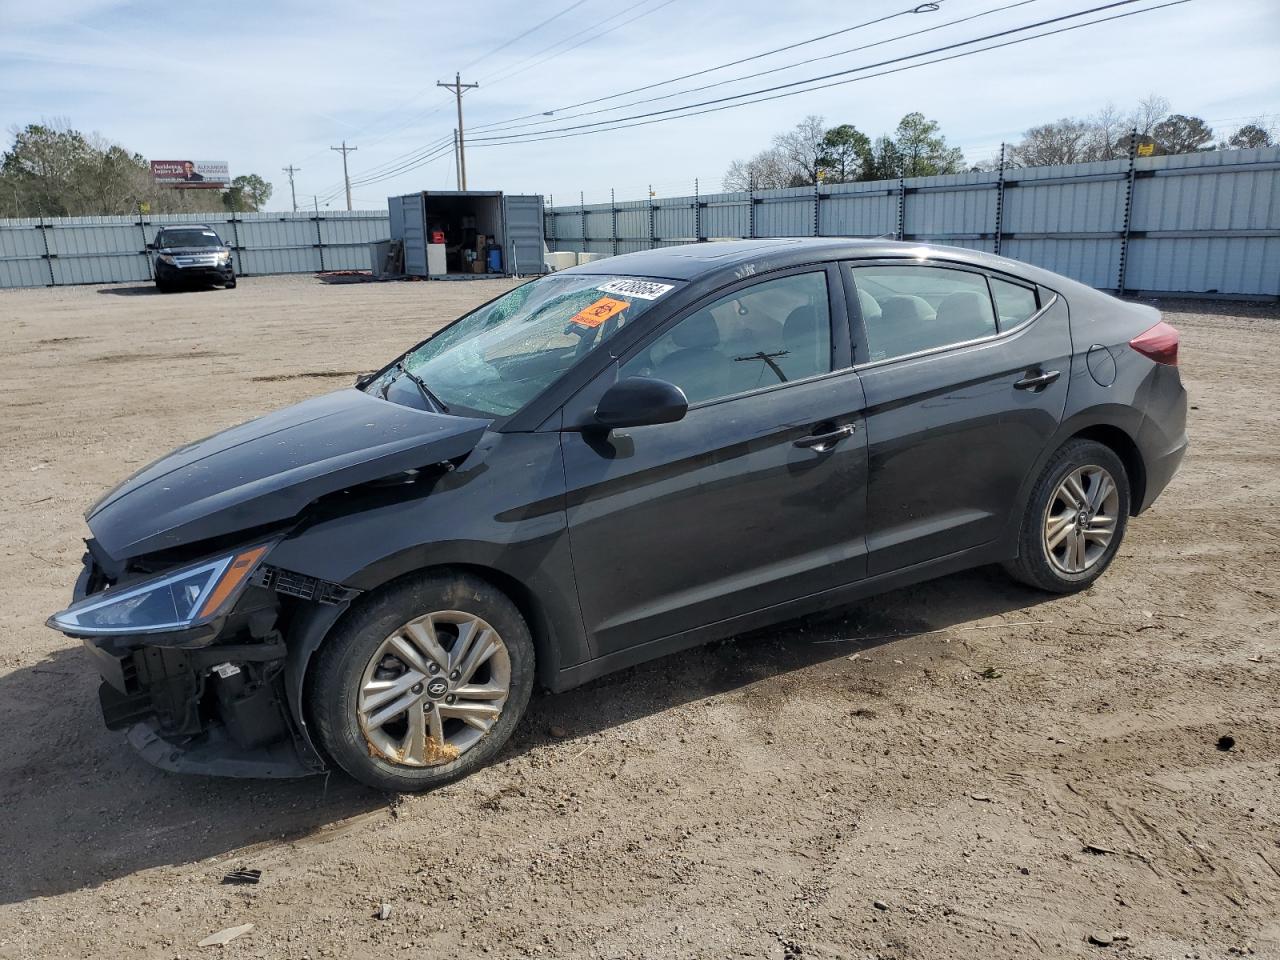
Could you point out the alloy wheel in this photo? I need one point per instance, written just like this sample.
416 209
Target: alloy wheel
1081 518
433 689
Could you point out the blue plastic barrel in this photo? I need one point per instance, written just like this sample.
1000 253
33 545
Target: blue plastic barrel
495 259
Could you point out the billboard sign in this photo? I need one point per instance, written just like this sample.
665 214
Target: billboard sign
209 174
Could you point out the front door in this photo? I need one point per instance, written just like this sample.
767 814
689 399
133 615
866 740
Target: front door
756 497
966 380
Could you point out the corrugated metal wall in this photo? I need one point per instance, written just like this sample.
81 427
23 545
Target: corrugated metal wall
1198 223
36 252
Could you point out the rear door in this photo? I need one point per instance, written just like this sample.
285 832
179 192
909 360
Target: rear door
965 375
522 246
756 497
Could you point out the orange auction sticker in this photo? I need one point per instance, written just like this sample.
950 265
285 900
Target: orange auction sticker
599 312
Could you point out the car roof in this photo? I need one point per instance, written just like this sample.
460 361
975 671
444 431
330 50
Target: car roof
743 258
187 226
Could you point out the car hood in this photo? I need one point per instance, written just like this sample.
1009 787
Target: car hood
269 469
192 251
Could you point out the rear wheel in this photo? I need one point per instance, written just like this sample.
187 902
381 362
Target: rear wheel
1074 520
424 683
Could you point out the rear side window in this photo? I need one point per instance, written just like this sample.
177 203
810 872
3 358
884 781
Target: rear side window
1014 302
909 308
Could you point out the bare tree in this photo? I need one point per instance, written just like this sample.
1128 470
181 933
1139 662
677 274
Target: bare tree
803 148
1108 133
1063 141
1151 110
767 170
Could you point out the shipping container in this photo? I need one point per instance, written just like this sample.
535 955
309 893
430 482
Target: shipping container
469 233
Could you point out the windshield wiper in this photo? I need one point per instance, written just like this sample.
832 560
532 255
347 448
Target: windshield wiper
403 371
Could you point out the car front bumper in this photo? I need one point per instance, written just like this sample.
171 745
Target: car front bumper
207 272
218 710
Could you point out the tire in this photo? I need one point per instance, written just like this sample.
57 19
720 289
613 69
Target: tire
367 652
230 284
163 286
1057 515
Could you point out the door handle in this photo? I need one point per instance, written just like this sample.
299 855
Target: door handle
1037 381
822 442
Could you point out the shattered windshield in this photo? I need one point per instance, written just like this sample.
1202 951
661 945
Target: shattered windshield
495 360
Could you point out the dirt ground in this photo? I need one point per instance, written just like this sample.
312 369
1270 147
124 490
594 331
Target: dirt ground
962 769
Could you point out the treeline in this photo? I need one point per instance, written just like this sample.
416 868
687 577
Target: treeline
53 170
1107 135
812 152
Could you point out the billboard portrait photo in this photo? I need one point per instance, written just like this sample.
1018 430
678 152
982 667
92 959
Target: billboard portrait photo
214 174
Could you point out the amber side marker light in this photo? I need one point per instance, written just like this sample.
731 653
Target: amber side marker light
240 568
1160 343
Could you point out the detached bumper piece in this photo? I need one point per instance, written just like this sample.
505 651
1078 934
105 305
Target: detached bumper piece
218 710
216 754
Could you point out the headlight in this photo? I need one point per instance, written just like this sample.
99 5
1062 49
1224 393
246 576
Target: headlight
177 600
166 258
224 256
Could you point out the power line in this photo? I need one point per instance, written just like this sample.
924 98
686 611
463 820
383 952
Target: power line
920 8
771 70
395 165
520 36
515 137
559 53
619 123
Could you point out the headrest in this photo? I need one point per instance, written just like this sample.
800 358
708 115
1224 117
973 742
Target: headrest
906 310
870 306
801 323
966 308
699 330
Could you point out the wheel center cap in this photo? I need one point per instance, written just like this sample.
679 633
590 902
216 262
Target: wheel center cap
1082 518
437 687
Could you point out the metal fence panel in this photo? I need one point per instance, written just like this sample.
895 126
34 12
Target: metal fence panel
1197 223
70 250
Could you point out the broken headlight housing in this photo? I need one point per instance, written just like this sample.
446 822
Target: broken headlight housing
177 600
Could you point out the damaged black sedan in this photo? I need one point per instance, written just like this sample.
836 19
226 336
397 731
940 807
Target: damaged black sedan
604 466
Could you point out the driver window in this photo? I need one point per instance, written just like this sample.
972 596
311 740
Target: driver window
772 332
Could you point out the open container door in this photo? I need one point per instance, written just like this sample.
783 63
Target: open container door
408 224
523 243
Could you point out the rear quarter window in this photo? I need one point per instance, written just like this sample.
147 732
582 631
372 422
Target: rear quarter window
1014 302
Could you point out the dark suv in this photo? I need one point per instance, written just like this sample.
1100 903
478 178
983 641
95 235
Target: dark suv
191 252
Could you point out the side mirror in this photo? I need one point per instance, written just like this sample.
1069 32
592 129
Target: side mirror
150 245
639 402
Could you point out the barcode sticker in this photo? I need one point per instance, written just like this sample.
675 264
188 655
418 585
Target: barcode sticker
636 289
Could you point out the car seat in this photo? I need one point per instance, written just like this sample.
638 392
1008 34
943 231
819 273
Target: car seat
697 366
964 315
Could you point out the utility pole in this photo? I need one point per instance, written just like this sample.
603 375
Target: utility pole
457 168
457 87
291 170
344 150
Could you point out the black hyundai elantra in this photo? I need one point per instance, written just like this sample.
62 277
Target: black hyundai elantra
606 465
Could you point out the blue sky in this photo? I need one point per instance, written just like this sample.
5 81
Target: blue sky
266 84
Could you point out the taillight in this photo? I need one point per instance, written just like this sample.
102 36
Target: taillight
1160 343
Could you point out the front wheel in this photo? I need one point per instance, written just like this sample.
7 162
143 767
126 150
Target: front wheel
1074 520
423 683
230 283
